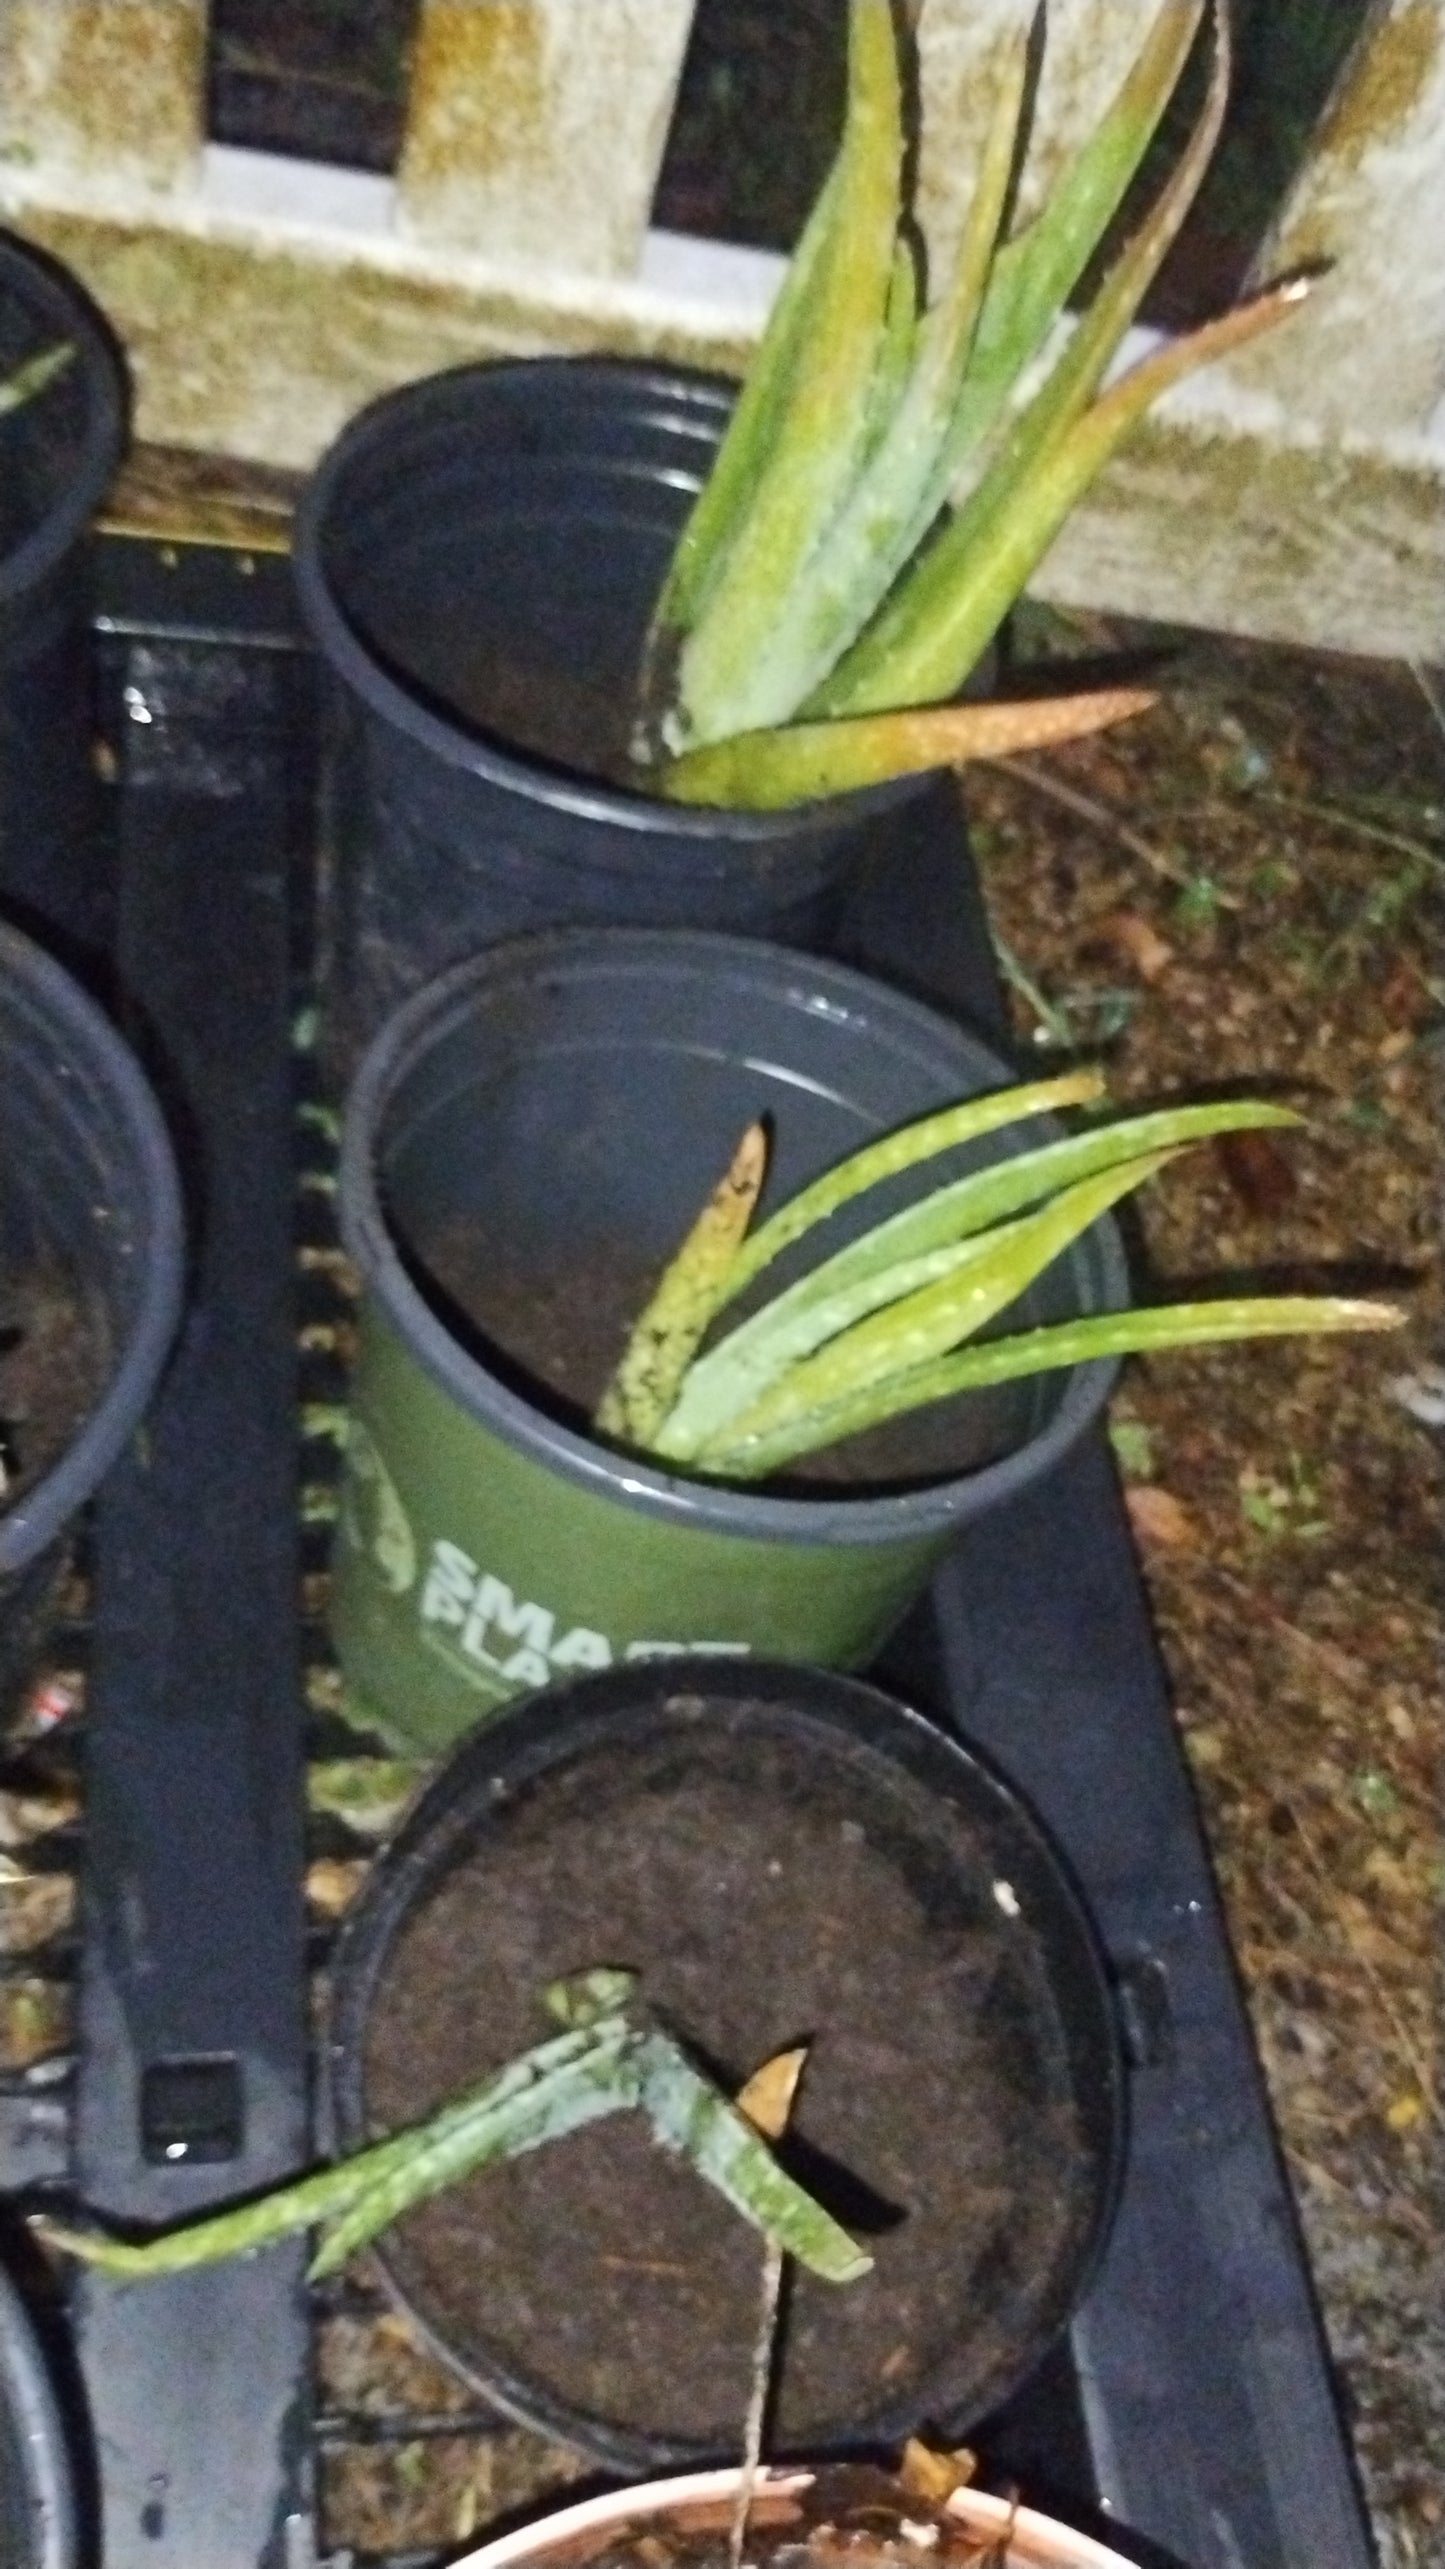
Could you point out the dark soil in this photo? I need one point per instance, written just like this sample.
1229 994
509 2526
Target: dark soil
50 1374
767 1893
566 1334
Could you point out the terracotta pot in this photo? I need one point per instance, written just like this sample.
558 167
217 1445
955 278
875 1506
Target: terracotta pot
575 2532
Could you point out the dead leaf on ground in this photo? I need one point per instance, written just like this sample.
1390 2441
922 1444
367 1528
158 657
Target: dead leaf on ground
767 2099
1158 1517
935 2476
1138 943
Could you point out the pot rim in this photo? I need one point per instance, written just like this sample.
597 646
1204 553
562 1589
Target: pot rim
25 2387
1034 2538
741 1509
362 670
42 284
38 1516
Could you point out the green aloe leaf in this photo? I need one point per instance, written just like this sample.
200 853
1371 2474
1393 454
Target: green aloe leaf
904 481
693 1286
758 419
764 771
947 609
602 2079
926 1324
690 2116
503 2104
757 1353
894 1257
819 439
914 1143
1036 272
33 376
1040 1351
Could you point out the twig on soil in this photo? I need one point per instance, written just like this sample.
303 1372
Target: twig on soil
767 2102
1338 816
1100 816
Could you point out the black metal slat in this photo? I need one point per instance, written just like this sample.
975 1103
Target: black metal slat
193 2075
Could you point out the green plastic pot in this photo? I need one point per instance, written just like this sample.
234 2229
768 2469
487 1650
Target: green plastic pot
570 1091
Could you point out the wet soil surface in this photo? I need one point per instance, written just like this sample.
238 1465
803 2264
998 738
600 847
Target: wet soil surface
767 1891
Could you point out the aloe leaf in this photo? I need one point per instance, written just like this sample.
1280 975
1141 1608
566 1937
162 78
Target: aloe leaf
926 1324
328 2194
601 2080
692 1288
33 376
818 440
1036 272
756 423
950 1127
926 1240
690 2116
948 607
757 1353
904 480
1041 1351
764 771
897 346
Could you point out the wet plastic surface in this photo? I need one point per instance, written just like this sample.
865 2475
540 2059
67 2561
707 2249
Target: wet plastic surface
1194 2401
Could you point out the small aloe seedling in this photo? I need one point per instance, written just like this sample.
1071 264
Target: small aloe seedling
610 2058
883 1325
894 471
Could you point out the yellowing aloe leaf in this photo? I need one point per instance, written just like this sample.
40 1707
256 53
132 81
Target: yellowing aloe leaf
946 1130
1036 272
893 1343
765 771
905 477
948 607
1041 1351
814 452
692 1287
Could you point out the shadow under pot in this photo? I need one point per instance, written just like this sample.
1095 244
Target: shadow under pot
477 560
90 1276
781 1856
524 1149
58 453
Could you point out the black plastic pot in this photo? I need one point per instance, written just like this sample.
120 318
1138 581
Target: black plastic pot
88 1188
57 456
37 2504
568 1100
519 517
965 1853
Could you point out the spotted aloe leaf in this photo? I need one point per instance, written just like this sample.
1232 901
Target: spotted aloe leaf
926 1324
692 1289
923 1243
610 2059
947 1129
800 762
821 428
1067 1343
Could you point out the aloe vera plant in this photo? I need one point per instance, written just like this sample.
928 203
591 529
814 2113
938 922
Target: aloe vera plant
610 2057
886 1323
894 471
